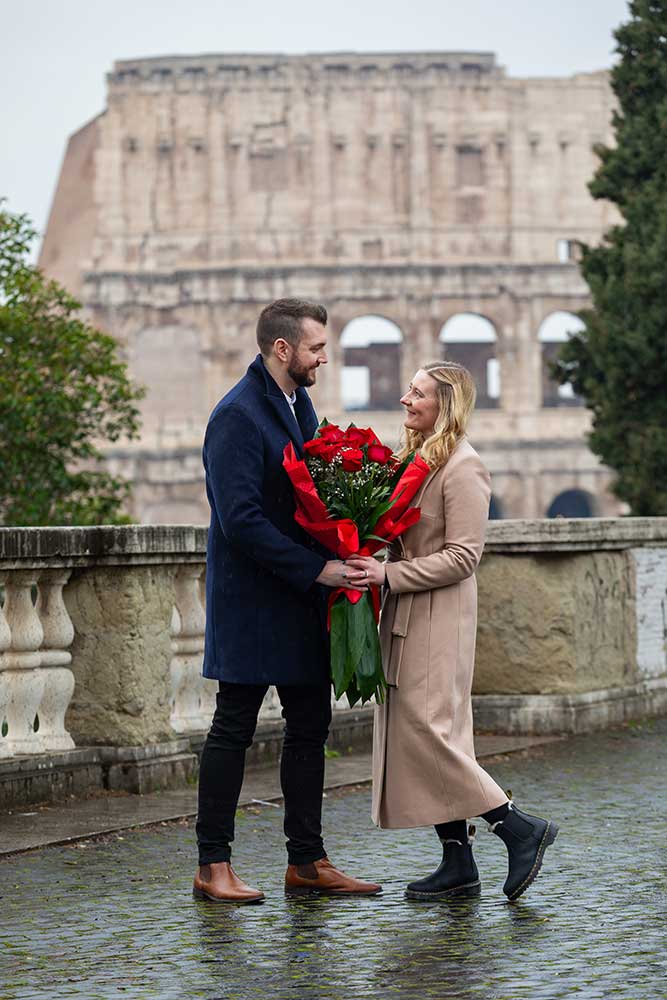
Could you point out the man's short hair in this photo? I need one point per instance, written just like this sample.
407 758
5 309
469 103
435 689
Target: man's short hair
282 319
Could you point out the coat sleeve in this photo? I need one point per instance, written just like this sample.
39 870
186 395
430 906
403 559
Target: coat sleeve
234 461
466 494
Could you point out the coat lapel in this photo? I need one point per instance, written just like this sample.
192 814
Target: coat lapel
284 413
424 486
280 406
306 415
429 479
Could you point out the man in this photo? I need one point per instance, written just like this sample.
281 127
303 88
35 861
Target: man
265 614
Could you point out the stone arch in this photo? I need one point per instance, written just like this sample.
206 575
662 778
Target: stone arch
572 503
371 346
471 339
554 330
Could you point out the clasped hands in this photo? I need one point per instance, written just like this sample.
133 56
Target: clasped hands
355 573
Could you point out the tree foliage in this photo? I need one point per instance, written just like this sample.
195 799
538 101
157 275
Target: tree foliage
63 394
619 362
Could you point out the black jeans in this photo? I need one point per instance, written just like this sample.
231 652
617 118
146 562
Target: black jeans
307 715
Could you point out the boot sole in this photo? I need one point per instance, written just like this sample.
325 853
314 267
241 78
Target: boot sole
548 838
469 890
200 894
306 890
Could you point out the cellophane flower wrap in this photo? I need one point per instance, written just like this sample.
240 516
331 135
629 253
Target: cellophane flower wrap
353 496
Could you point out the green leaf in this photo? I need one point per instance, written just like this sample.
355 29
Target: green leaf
356 660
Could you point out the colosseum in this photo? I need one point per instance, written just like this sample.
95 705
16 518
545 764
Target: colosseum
431 201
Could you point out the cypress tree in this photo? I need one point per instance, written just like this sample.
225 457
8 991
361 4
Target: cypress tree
618 363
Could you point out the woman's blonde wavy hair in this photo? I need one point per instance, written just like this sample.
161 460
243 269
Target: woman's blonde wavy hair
456 394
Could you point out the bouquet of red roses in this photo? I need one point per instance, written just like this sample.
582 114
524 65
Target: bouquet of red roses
353 496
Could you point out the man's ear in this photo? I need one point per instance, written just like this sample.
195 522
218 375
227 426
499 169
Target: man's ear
281 349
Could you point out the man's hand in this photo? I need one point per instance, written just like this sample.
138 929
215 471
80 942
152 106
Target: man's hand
336 573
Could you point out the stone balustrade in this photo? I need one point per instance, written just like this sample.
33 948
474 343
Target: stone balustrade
36 683
102 632
104 625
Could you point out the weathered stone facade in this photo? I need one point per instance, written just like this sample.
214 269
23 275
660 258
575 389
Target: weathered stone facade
413 187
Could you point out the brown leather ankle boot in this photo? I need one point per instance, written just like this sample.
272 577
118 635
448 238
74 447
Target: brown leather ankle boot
321 878
219 883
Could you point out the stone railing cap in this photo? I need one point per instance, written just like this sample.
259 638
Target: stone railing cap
172 543
571 534
113 544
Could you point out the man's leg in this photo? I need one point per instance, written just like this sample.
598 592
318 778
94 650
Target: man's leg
222 766
220 780
307 714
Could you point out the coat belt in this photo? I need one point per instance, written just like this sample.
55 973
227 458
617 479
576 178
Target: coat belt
402 614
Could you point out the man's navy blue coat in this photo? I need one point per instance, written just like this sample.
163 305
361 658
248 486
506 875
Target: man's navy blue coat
265 615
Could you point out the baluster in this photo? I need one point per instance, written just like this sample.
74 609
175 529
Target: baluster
339 703
21 662
202 589
176 674
55 659
5 640
271 707
193 696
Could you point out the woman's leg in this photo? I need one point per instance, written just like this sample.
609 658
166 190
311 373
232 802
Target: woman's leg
526 838
458 830
457 874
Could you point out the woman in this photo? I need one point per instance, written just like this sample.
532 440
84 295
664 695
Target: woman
424 767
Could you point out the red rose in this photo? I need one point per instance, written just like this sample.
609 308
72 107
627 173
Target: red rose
321 448
379 453
331 433
352 459
359 436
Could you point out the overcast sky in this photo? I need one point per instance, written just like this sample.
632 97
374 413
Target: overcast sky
54 55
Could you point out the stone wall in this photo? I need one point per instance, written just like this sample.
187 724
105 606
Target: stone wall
555 623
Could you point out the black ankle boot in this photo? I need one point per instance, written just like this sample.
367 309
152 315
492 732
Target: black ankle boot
456 875
526 838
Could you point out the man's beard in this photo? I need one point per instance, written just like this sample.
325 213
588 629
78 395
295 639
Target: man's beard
301 376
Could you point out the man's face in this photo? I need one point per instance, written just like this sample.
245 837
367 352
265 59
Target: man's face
309 355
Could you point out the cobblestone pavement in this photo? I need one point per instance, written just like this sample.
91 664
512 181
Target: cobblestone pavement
115 918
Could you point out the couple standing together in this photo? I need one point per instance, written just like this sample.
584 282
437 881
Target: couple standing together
266 589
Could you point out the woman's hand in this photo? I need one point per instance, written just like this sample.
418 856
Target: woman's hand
337 573
372 571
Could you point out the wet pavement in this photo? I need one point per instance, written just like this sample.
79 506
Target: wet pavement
115 918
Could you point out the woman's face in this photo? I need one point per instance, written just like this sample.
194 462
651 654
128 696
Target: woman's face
421 404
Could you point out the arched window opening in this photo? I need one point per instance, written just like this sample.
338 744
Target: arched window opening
571 503
371 373
495 509
471 340
555 330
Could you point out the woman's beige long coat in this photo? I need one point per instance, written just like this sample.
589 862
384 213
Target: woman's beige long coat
424 767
